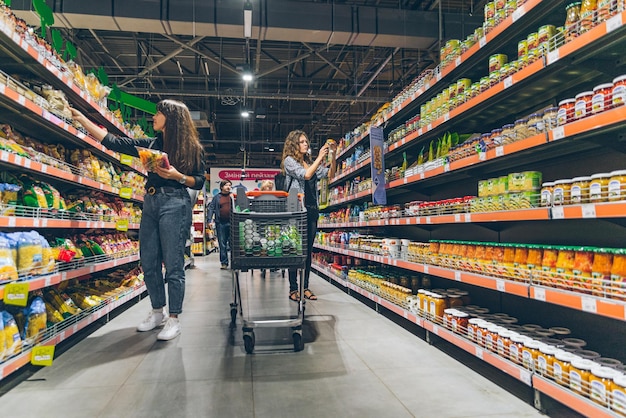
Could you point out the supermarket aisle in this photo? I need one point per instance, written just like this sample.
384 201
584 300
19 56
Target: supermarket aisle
355 363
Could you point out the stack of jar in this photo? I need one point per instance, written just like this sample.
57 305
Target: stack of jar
603 97
445 207
511 192
583 16
597 188
433 304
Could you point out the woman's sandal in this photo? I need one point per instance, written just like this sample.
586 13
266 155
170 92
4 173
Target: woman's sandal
294 295
309 295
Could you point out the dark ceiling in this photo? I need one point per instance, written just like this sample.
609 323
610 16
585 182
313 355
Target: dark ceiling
321 66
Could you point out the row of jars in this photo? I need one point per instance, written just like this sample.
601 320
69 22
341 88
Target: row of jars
526 181
582 16
592 270
597 188
603 97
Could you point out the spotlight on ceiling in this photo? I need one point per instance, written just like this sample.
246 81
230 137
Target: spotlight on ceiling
247 76
247 19
245 113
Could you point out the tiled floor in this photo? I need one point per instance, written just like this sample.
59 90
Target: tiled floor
356 363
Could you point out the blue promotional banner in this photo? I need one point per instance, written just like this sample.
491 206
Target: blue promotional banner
379 193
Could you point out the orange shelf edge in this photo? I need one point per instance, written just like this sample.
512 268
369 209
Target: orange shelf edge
573 401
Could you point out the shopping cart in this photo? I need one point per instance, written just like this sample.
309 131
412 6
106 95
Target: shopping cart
268 230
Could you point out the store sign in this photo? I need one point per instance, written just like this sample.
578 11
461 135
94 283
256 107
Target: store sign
16 294
379 193
42 355
248 179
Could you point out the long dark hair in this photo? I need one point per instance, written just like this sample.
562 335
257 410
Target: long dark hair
292 149
180 136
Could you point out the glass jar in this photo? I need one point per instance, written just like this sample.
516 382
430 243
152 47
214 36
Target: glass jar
504 342
601 268
437 306
610 362
580 370
618 392
545 360
455 300
550 116
508 133
491 338
516 347
599 187
535 257
617 185
421 294
600 381
572 12
583 262
579 192
546 194
564 268
582 107
448 314
618 273
473 329
565 113
618 95
522 49
521 129
548 264
535 124
561 193
530 352
460 322
602 99
482 333
561 366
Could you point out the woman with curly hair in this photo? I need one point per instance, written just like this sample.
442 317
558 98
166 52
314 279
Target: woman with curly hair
166 219
301 175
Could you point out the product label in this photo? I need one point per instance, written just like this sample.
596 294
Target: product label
595 191
527 359
489 342
597 103
542 365
619 401
561 116
546 198
514 352
619 95
614 189
557 196
454 325
598 391
558 372
580 109
575 381
500 347
575 194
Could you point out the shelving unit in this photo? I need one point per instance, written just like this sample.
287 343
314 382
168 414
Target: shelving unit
198 216
18 56
582 147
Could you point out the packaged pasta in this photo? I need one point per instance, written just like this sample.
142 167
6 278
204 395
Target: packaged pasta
36 318
13 341
8 269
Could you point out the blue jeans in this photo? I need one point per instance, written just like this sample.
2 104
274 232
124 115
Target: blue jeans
165 226
312 215
223 240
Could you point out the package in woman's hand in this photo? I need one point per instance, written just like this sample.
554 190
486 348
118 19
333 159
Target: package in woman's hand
151 158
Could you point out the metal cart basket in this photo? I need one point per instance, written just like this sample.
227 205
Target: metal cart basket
268 230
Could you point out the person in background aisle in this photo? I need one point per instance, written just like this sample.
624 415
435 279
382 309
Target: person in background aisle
301 175
166 219
220 209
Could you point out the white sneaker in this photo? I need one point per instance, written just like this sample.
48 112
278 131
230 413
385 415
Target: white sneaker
155 319
170 331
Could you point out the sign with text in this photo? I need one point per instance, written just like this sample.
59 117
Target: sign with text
248 179
379 193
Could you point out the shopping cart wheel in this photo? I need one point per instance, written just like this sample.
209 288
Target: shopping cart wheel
298 343
248 342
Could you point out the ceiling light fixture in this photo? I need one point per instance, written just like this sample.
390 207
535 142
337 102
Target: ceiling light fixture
245 113
247 19
247 77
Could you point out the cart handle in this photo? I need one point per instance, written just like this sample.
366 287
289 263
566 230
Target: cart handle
277 193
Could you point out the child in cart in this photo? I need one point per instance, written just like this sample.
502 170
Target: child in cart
267 186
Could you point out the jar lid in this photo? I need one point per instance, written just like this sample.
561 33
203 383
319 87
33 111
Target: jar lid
461 314
565 356
550 109
608 362
587 354
583 94
506 333
449 311
523 121
535 115
575 342
600 175
508 126
554 342
560 330
531 327
566 101
577 179
548 184
603 86
620 78
519 338
476 321
583 364
548 349
604 372
563 181
618 173
576 3
534 344
620 380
